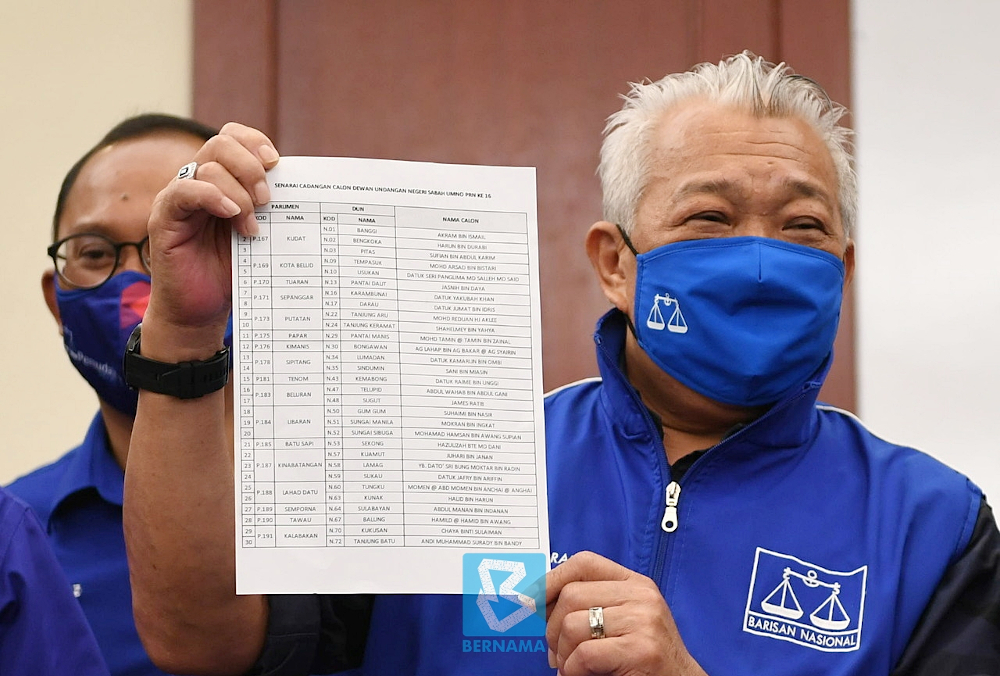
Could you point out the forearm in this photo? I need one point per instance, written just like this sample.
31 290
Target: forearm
179 523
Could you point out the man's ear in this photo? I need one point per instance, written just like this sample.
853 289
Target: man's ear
848 264
613 263
49 291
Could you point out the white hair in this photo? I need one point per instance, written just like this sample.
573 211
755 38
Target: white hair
744 81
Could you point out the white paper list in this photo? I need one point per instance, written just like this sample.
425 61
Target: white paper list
387 355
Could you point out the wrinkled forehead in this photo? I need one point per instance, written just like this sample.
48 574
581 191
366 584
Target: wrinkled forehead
700 127
718 142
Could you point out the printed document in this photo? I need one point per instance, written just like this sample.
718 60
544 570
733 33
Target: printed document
388 377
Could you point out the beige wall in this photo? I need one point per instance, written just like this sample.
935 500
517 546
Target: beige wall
70 71
926 113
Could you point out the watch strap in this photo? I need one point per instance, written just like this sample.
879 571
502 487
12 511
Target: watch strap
184 380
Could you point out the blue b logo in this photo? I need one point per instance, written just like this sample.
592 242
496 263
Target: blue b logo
503 594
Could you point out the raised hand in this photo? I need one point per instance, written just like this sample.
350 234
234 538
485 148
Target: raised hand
190 232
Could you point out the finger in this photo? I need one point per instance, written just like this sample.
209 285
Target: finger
601 656
246 221
570 635
582 596
576 629
254 140
582 567
242 162
183 198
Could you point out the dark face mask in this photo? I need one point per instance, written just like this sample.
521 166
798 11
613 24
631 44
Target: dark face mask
96 325
741 320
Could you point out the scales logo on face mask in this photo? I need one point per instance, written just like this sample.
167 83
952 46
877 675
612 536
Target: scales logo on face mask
797 601
655 318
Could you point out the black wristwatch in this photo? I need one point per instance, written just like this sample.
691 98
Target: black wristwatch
184 380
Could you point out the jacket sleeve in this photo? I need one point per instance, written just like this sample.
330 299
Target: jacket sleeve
314 633
959 632
42 627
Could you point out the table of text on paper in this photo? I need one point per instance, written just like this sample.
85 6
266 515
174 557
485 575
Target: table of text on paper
384 392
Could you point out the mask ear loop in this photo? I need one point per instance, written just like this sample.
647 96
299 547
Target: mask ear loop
628 243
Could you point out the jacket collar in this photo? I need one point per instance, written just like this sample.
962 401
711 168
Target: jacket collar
91 465
787 424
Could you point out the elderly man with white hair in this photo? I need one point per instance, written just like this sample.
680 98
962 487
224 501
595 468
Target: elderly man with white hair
707 514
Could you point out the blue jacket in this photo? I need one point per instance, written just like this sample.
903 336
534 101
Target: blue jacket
42 630
78 499
804 544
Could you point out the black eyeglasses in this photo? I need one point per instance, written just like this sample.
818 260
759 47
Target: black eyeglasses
88 261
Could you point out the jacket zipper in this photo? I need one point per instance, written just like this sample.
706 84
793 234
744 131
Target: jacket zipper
662 541
671 519
669 522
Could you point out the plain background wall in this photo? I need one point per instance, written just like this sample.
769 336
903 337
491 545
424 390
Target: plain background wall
928 284
927 113
70 71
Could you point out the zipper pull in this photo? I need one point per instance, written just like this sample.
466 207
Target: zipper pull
669 523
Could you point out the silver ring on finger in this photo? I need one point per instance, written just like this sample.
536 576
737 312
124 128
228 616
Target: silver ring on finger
188 170
597 622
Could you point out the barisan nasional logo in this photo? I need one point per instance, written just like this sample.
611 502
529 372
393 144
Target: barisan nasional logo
797 601
676 323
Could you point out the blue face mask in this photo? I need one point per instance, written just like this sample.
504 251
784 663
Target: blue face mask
97 324
741 320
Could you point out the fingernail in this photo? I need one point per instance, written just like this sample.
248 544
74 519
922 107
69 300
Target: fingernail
267 154
552 659
253 229
229 207
261 193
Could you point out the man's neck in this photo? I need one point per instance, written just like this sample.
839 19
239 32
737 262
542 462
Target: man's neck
691 421
119 428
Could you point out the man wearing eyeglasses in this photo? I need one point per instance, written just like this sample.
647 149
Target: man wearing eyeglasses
97 292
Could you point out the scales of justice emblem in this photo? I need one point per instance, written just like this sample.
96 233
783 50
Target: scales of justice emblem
675 324
829 615
798 601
